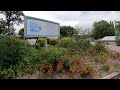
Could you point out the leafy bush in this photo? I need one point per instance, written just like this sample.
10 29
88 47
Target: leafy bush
106 67
66 42
52 56
82 42
41 41
86 69
52 41
9 52
118 38
7 73
15 58
99 47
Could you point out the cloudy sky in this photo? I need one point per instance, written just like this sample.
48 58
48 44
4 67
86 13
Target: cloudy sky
73 18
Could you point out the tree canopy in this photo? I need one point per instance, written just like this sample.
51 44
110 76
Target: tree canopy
102 29
21 32
67 31
11 17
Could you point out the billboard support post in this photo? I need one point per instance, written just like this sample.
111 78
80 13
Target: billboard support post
46 42
58 40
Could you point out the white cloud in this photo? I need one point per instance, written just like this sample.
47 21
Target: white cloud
73 18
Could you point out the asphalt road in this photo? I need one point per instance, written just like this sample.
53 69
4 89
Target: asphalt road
111 47
114 48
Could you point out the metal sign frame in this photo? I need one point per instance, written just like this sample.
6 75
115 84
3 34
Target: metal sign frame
25 27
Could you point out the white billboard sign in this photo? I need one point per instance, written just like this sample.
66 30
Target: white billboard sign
35 27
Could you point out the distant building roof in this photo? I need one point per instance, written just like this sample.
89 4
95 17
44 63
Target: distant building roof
108 38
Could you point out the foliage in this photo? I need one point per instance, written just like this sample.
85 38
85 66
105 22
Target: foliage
115 54
12 17
21 32
2 28
117 26
15 58
101 57
67 31
66 42
99 47
41 41
106 67
52 41
82 41
86 69
7 73
60 67
10 52
102 29
69 58
118 38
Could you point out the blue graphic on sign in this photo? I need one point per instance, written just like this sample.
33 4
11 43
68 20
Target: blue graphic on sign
34 27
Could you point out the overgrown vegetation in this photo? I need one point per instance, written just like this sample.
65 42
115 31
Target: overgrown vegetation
118 38
74 55
16 60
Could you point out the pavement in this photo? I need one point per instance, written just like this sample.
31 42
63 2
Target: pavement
114 48
111 47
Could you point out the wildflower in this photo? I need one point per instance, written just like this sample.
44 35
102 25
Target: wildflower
79 60
50 66
59 65
72 69
50 70
83 69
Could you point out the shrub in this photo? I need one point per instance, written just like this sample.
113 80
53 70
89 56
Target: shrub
7 73
53 56
118 38
99 47
41 42
82 41
66 42
59 67
15 58
9 52
52 41
106 67
86 69
30 62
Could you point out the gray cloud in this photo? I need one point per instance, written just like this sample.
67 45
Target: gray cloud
66 15
82 18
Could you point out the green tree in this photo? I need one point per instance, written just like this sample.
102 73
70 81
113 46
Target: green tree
12 17
117 26
117 30
102 29
2 27
67 31
118 38
21 32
